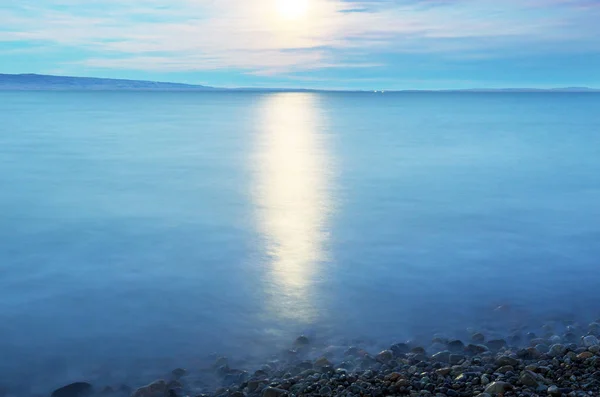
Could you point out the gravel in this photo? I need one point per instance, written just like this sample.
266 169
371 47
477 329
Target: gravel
516 366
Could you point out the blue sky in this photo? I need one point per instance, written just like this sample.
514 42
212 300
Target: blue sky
358 44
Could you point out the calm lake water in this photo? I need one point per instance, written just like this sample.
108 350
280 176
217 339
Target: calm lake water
143 231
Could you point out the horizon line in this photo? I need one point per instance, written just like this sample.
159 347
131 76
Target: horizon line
191 87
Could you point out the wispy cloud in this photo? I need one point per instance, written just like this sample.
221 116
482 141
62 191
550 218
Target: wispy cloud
190 35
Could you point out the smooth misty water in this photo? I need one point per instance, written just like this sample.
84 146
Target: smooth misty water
143 231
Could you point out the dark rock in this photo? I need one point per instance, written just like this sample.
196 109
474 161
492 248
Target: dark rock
528 378
478 338
400 349
498 387
385 356
456 346
154 389
443 356
273 392
78 389
456 359
496 344
506 360
178 373
302 341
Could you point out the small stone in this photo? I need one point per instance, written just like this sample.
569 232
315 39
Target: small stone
506 360
456 346
443 356
154 389
506 368
485 380
178 373
585 355
557 350
528 378
321 362
476 349
496 344
78 389
456 358
400 348
590 340
444 371
554 391
478 338
325 391
301 341
498 387
273 392
385 356
483 395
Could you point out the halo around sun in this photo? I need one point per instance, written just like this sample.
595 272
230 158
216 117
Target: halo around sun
292 9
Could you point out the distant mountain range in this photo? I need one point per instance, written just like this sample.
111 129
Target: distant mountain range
32 82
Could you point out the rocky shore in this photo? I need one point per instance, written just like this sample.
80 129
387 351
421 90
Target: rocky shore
554 363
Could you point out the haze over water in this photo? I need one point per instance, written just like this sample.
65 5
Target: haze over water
142 231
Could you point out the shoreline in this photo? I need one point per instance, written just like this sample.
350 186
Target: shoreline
562 360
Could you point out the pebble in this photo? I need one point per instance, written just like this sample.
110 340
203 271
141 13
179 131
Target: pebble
528 378
557 350
385 356
498 387
154 389
554 391
590 340
302 341
273 392
78 389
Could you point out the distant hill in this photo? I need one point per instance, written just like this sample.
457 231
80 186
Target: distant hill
46 82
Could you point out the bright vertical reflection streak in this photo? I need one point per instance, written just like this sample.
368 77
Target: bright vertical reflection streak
292 200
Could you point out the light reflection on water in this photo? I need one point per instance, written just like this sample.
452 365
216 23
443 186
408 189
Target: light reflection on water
293 201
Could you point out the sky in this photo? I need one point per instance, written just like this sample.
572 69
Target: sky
332 44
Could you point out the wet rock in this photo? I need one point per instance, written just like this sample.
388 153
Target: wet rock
506 360
321 362
477 338
400 348
220 362
554 391
325 391
585 355
476 349
273 392
498 387
418 350
78 389
301 341
443 356
505 368
154 389
456 346
528 378
456 358
496 344
557 350
178 373
590 340
385 356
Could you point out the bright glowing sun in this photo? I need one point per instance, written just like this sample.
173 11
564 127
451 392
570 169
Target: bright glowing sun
292 9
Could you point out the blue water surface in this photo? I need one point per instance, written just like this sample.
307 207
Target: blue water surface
141 231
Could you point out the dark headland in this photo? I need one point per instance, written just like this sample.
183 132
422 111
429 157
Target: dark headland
39 82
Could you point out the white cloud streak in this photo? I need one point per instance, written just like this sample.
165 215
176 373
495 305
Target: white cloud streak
190 35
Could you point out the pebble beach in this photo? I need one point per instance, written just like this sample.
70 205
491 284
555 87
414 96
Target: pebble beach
553 363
